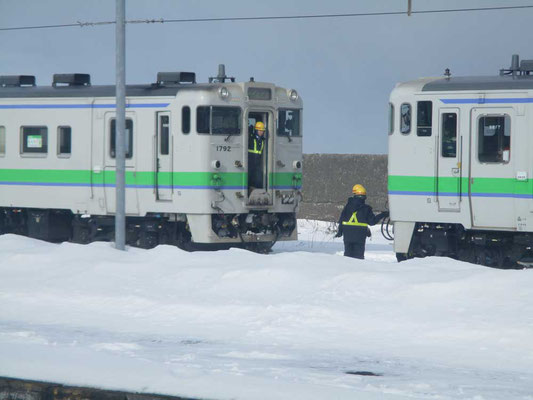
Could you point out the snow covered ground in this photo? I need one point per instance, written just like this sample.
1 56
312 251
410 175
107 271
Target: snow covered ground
289 325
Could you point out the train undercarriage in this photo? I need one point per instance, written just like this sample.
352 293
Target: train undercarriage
498 249
148 231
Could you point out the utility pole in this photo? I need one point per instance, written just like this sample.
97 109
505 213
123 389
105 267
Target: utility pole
120 142
409 5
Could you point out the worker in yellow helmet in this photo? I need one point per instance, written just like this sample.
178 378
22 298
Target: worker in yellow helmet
354 221
256 145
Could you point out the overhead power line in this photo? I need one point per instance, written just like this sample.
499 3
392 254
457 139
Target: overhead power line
264 18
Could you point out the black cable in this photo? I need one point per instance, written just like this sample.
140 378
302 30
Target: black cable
346 15
385 229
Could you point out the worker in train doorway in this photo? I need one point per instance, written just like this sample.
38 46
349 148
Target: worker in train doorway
354 222
256 145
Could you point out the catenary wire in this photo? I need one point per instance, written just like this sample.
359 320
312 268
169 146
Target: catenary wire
82 24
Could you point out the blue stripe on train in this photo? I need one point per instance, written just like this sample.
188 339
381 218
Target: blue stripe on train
136 186
478 100
78 106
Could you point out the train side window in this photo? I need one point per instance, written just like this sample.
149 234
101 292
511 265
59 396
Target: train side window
288 123
424 118
203 120
405 118
34 139
129 137
2 141
164 145
186 119
494 139
64 140
449 135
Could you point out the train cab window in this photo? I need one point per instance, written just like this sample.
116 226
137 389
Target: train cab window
129 138
288 123
449 135
64 140
391 118
186 119
405 118
424 118
494 139
34 139
218 120
2 141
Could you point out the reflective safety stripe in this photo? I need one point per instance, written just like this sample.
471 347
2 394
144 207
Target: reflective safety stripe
353 221
255 149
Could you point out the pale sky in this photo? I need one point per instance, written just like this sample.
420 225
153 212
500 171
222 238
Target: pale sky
344 68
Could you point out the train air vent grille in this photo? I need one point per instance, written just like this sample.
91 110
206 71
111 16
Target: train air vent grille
17 80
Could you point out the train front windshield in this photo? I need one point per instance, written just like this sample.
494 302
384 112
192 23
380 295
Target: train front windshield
219 120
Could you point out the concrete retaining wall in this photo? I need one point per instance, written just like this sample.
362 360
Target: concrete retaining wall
328 180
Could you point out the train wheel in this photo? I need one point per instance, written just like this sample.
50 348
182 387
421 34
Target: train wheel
147 240
81 235
260 247
184 241
2 222
467 254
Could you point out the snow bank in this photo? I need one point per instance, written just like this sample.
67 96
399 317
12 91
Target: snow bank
234 324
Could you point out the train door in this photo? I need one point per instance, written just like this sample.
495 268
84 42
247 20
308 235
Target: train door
163 157
132 205
259 173
449 168
491 182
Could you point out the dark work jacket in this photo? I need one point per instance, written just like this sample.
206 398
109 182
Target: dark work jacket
256 145
365 216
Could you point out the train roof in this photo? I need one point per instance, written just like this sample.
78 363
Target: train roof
96 91
505 82
519 76
75 85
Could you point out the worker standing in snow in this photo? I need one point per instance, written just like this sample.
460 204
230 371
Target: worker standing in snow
354 221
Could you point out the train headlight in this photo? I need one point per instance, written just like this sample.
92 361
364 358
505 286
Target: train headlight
215 164
223 92
293 95
297 164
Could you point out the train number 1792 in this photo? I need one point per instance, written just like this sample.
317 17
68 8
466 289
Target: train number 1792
223 148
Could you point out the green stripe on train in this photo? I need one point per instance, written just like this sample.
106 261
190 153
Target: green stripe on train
144 178
132 177
450 184
285 179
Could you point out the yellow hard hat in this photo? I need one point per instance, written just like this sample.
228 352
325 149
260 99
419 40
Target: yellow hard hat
359 190
259 126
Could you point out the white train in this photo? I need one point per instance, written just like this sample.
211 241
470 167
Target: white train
186 161
461 167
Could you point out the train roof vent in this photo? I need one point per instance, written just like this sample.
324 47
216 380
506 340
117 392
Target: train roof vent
175 78
17 80
526 66
71 80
